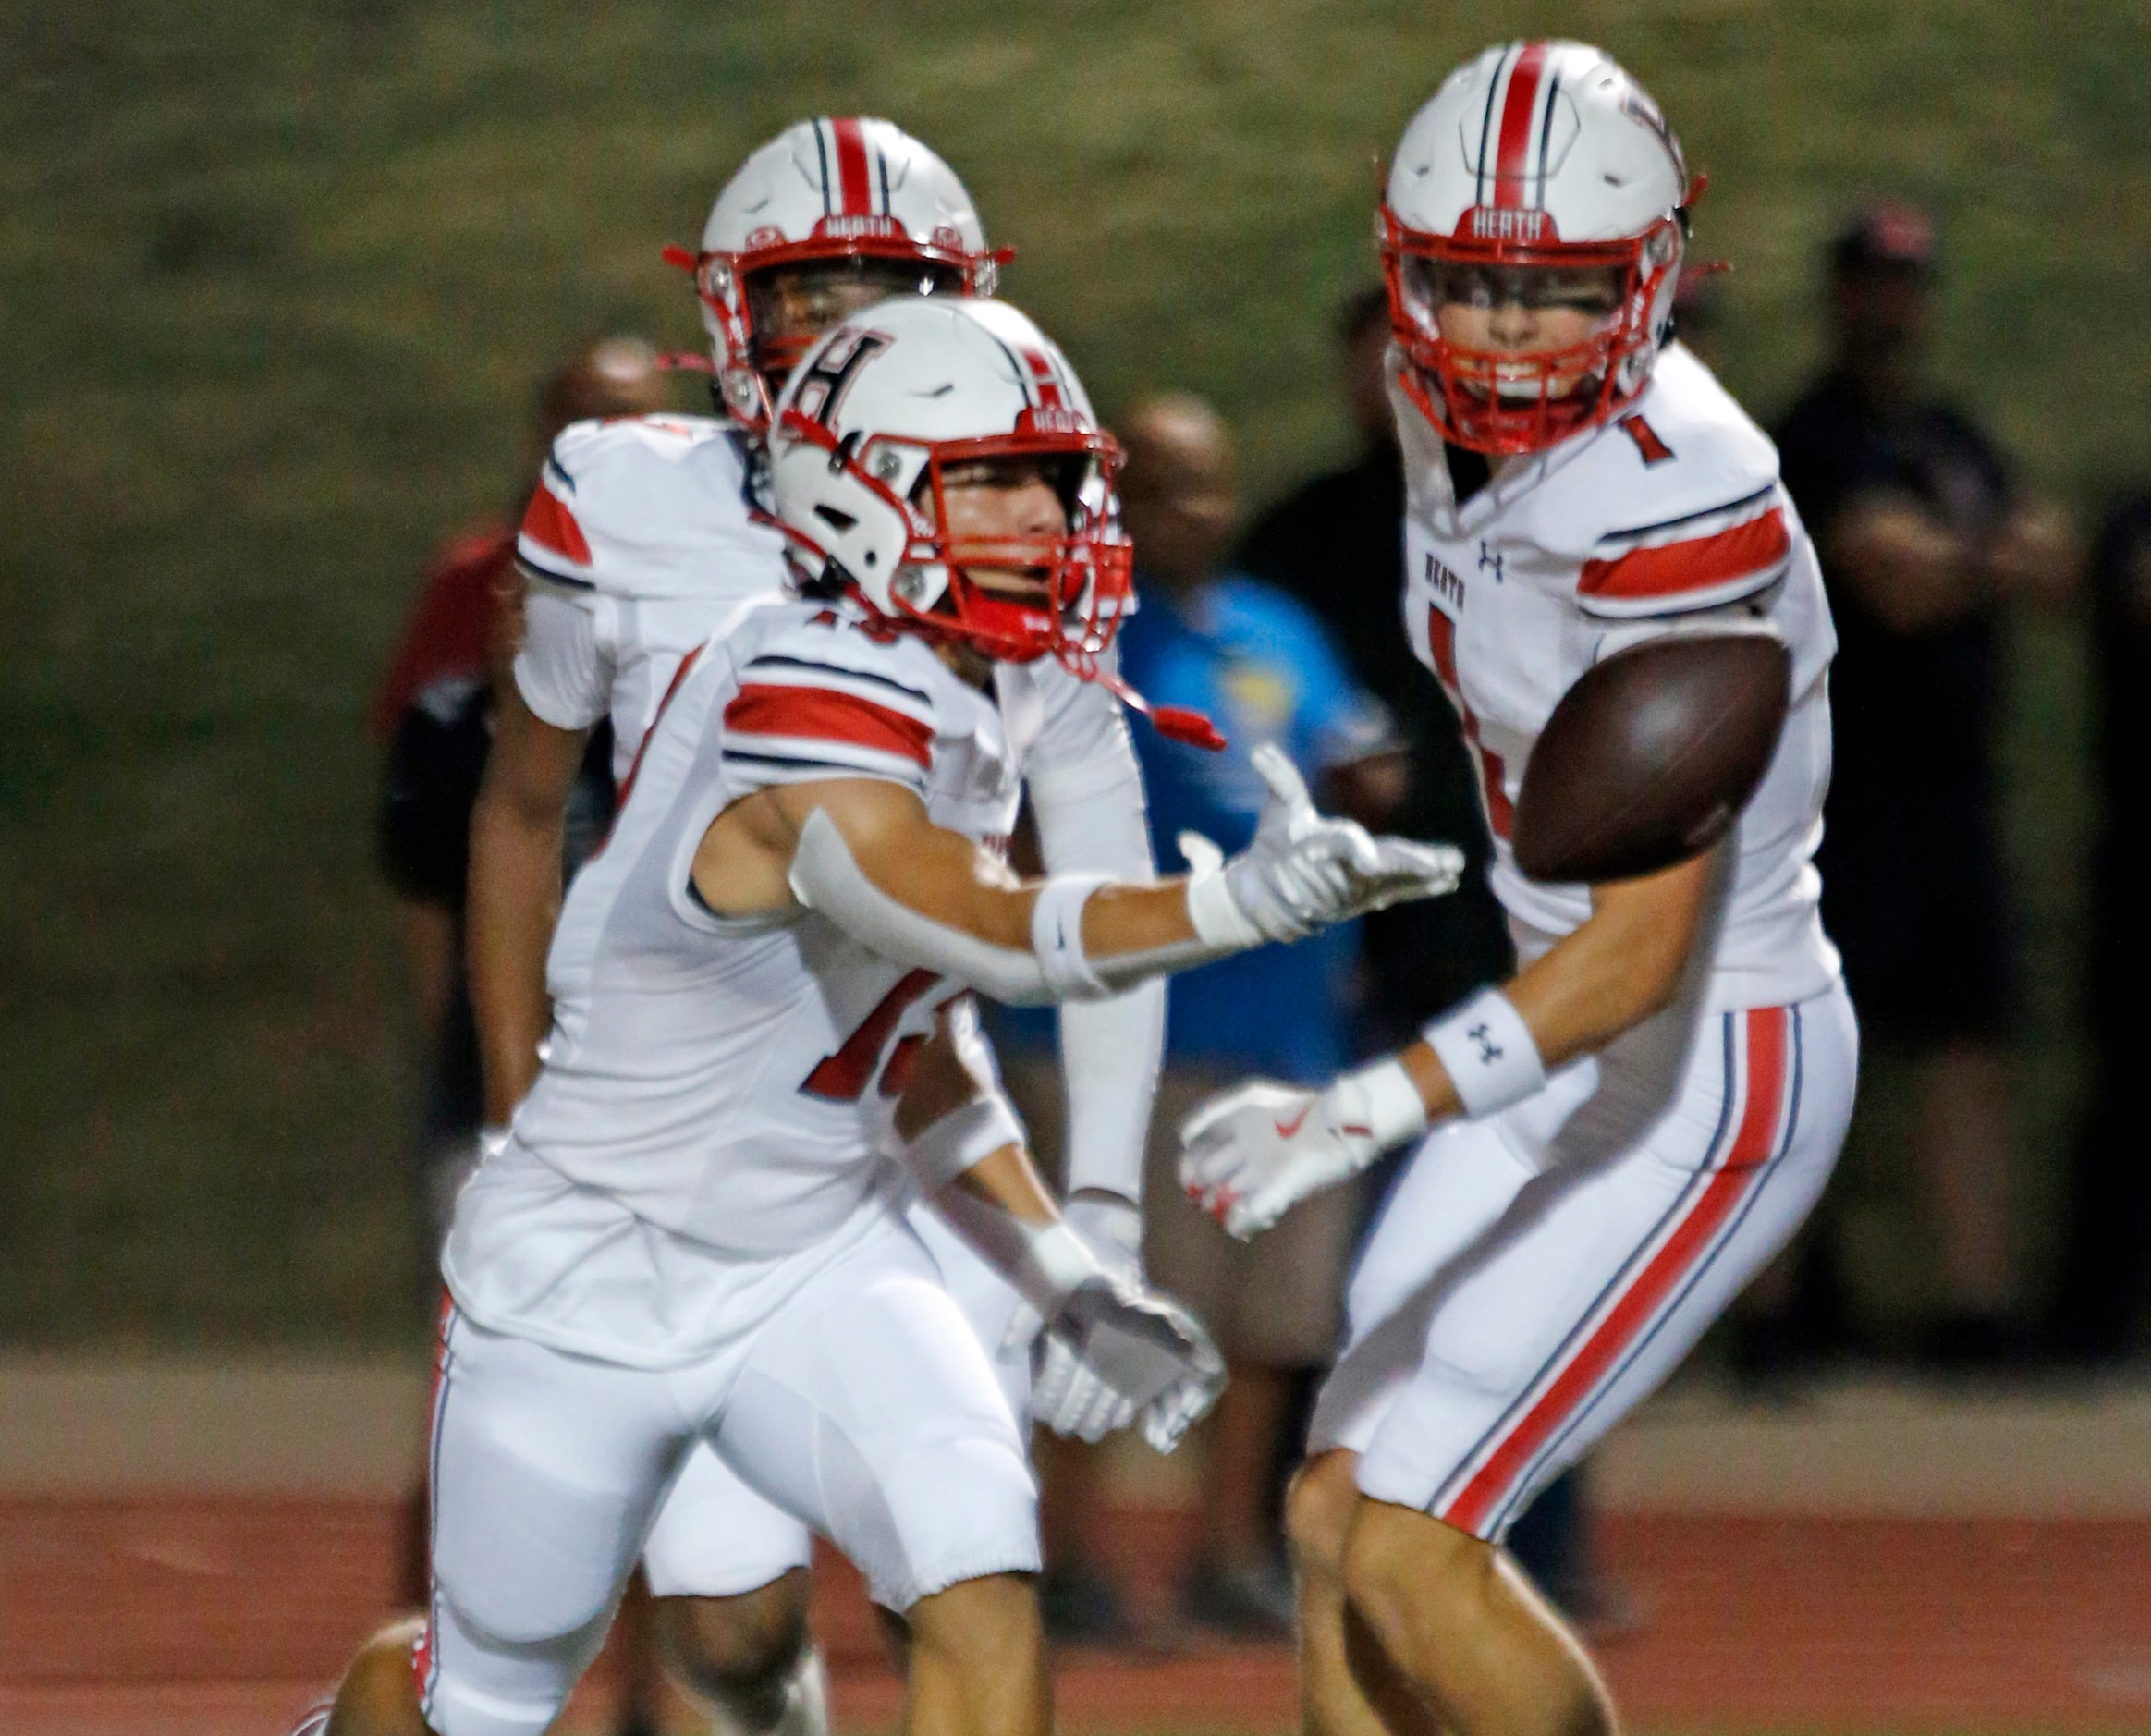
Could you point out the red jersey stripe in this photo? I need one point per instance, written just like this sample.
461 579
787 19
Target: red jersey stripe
1691 1239
549 524
824 714
1696 565
855 194
1514 153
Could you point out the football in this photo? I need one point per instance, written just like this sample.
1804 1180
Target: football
1649 758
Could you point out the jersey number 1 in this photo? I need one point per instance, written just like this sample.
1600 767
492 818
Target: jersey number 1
1441 637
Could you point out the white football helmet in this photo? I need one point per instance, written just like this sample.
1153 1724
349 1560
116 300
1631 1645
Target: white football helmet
830 217
866 433
1543 172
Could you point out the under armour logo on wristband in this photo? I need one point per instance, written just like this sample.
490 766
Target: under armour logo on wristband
1489 1051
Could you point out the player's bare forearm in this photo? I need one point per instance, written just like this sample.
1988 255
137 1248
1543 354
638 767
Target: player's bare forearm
514 898
1622 965
939 873
1008 1179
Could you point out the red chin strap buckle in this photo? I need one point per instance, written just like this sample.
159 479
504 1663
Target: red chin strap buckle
1184 723
1175 723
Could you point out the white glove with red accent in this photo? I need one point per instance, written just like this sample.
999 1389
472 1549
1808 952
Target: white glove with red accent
1251 1154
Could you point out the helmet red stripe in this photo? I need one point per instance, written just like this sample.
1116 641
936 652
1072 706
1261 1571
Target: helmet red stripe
854 188
1514 153
1042 376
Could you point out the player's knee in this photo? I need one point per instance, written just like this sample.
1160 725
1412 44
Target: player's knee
1318 1510
1400 1567
993 1619
742 1647
378 1695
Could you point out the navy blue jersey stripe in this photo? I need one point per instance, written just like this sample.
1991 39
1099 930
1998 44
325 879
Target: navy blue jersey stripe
554 468
1689 518
537 569
771 660
787 761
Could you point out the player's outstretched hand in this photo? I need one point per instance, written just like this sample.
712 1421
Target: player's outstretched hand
1305 870
1250 1155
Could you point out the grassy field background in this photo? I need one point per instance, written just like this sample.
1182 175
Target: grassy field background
275 279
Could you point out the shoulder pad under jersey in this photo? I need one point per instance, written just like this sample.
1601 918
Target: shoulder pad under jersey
1675 506
649 506
820 688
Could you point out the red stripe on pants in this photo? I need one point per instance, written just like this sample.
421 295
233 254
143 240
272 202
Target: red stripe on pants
1689 1242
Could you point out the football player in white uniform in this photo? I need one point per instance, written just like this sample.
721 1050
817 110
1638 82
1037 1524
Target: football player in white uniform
1627 1130
694 1234
642 535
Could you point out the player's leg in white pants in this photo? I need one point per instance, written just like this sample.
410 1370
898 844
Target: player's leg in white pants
864 1407
1535 1274
869 1409
729 1570
1532 1278
545 1469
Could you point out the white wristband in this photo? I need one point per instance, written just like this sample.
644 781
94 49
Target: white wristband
1057 936
1489 1053
962 1139
1215 914
1385 1094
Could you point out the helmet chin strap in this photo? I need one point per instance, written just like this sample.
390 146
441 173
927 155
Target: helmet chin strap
1175 723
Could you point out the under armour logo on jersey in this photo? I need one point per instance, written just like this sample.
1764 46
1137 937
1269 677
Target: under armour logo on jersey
825 377
1489 1051
1489 560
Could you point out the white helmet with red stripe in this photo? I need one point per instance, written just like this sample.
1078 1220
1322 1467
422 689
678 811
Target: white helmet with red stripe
1537 168
830 217
870 426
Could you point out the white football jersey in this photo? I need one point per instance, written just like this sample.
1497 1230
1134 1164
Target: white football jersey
732 1081
641 537
1636 528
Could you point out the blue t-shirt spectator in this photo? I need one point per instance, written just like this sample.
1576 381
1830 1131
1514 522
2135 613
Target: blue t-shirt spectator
1264 670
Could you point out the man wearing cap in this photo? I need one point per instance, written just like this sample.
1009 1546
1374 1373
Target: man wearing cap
1925 536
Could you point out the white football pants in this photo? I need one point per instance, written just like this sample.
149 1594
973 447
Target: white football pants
716 1537
863 1408
1538 1272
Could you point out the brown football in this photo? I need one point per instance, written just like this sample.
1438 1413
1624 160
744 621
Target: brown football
1650 757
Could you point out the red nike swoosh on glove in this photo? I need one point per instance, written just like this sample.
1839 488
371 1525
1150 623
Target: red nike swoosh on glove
1286 1130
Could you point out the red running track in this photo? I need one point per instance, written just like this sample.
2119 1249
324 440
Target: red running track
182 1617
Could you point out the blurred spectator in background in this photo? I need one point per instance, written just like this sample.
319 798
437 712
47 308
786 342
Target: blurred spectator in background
1337 544
1924 538
1264 670
2105 1279
433 715
1699 311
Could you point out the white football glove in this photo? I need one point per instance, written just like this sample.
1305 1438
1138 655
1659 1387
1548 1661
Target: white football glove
1067 1395
1143 1357
1305 870
1252 1154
